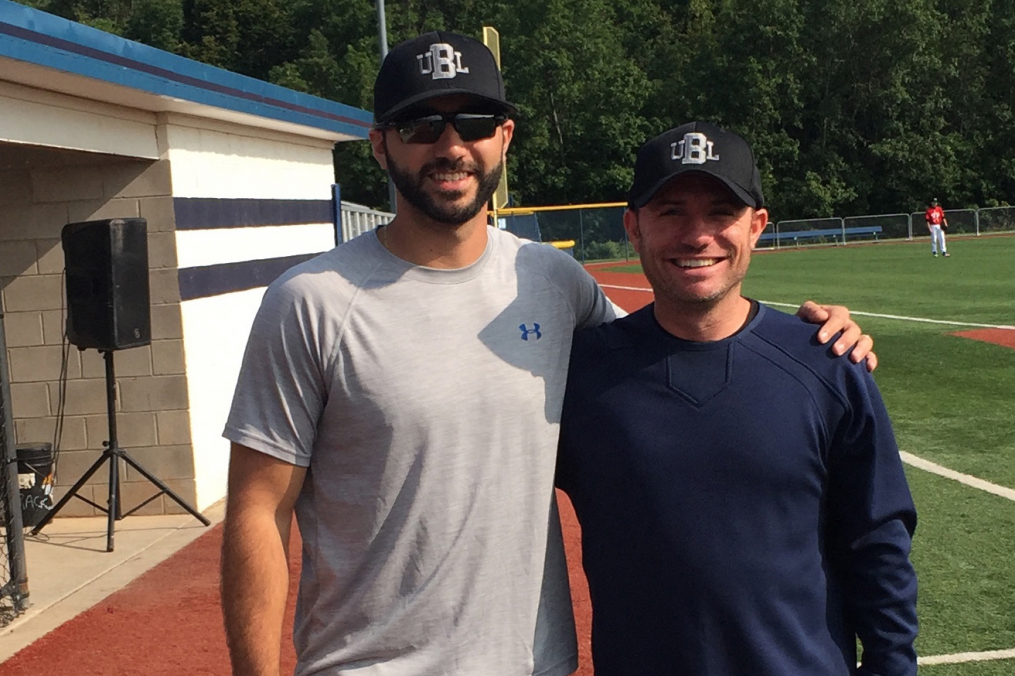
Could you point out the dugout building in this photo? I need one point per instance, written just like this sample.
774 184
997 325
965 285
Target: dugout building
234 177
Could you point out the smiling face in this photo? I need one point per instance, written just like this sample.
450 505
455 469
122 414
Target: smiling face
450 181
694 240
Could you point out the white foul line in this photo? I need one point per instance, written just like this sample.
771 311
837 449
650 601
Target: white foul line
909 458
626 288
912 319
994 489
852 312
959 658
934 468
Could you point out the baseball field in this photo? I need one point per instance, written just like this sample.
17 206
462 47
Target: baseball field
947 374
944 332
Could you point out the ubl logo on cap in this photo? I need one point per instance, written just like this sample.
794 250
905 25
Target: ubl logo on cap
694 148
441 62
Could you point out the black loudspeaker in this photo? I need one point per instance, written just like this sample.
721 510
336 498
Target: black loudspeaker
108 301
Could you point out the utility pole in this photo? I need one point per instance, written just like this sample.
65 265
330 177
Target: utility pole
382 37
382 29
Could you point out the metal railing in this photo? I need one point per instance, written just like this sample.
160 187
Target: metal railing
357 219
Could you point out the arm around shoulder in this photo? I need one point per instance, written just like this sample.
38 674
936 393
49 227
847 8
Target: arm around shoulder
255 570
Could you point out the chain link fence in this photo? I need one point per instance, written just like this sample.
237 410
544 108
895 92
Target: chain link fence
995 219
886 226
590 232
595 232
801 231
13 575
877 227
960 222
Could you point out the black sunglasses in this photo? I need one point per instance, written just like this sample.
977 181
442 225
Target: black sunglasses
470 126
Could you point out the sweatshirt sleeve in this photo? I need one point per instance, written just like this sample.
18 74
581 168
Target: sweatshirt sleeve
871 523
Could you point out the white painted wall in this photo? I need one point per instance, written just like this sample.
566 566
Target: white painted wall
218 159
38 117
215 331
207 247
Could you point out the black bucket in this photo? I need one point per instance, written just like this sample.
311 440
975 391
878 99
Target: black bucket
35 479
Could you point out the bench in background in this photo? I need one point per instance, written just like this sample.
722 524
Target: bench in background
838 235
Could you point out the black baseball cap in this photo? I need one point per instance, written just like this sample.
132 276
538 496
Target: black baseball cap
437 64
701 148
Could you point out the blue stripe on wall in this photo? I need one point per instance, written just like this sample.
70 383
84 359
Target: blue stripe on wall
215 280
206 213
27 34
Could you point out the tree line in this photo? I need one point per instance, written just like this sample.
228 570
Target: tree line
853 106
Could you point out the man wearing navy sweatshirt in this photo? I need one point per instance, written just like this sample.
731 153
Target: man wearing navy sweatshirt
743 506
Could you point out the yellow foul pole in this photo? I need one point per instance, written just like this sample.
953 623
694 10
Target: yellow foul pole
491 38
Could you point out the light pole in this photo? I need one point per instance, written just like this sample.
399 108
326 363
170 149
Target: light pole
382 29
382 38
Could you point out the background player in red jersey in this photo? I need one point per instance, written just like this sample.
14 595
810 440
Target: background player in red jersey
937 224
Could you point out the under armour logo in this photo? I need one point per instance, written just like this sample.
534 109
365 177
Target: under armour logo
526 331
695 148
442 62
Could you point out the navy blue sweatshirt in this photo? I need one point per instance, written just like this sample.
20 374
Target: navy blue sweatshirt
743 506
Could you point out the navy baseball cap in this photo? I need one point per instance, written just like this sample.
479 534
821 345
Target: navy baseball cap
701 148
433 65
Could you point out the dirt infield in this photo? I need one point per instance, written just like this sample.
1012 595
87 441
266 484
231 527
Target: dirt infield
1003 337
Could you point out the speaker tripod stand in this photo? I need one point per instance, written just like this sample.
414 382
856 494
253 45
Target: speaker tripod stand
113 454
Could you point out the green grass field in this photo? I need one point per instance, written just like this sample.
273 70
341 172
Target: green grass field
952 401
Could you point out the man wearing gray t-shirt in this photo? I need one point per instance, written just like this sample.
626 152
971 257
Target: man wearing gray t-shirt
402 394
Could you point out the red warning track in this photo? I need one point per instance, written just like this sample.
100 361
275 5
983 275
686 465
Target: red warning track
165 623
168 622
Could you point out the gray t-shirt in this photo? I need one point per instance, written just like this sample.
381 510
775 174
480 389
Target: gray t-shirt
426 404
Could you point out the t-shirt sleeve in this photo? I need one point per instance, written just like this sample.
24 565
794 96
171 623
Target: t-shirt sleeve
592 306
583 295
871 522
281 389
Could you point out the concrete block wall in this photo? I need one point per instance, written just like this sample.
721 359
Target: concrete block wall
153 421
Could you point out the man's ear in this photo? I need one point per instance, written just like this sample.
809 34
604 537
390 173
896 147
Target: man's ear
633 228
507 133
759 221
377 146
